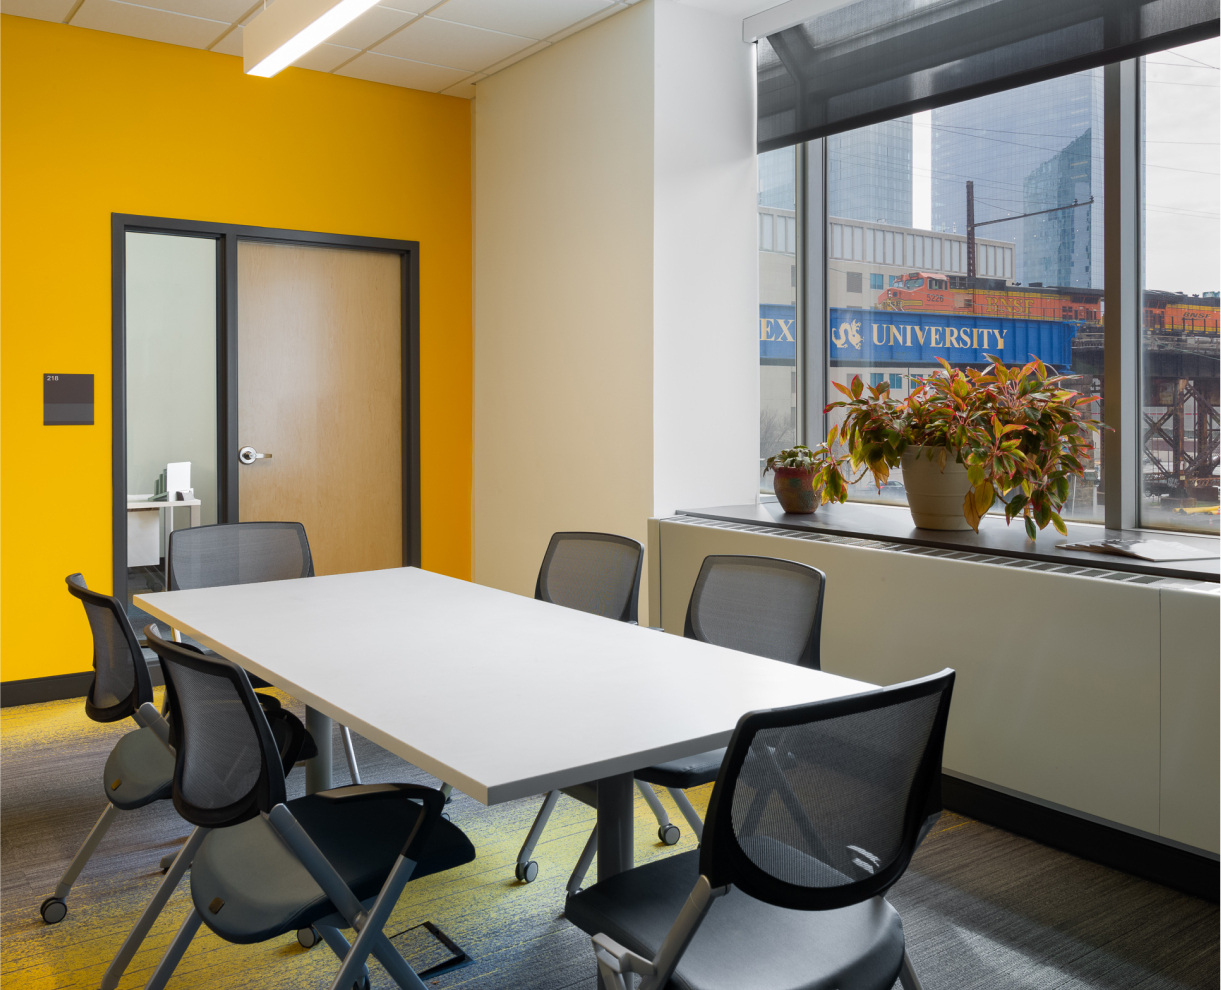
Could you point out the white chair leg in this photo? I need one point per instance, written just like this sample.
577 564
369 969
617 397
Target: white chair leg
100 827
583 864
350 752
654 803
338 944
169 961
907 975
114 972
522 869
688 811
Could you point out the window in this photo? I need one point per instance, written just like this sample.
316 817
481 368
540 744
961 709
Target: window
910 185
1179 333
777 303
1028 278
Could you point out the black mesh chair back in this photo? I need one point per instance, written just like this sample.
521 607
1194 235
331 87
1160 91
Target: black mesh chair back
121 682
592 572
761 605
820 806
227 767
238 553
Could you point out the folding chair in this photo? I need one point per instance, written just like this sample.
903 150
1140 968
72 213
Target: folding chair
246 553
816 813
597 573
762 605
140 768
265 866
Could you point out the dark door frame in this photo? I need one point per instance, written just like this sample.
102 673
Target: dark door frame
227 237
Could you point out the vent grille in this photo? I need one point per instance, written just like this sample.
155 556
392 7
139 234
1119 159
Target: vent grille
1072 570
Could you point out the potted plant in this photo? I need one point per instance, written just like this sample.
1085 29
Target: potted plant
965 438
805 479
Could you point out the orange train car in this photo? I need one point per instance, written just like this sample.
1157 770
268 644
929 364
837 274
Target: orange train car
938 293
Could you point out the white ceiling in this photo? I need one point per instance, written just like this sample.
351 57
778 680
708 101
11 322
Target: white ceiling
441 47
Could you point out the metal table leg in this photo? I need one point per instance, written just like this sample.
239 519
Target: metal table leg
616 819
318 770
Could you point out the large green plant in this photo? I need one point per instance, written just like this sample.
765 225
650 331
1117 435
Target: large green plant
1018 433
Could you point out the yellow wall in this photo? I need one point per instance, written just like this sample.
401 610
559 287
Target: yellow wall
93 124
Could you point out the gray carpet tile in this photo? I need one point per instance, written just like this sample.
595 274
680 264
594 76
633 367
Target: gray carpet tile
982 908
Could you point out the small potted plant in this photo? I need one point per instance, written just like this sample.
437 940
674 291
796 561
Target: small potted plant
966 437
805 478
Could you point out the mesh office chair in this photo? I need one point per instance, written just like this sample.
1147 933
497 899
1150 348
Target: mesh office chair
761 605
265 866
140 768
597 573
246 553
816 813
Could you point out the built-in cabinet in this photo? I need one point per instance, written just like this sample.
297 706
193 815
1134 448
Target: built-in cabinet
1093 691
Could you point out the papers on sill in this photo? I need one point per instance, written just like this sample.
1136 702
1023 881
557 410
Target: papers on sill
1141 549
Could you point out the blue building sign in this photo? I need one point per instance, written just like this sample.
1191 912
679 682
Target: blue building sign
875 337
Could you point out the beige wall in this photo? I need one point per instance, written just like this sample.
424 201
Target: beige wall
563 380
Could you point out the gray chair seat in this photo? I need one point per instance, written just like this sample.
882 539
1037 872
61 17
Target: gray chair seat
690 771
744 943
263 890
141 767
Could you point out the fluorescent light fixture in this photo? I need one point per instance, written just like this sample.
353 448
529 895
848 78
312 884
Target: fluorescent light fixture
288 29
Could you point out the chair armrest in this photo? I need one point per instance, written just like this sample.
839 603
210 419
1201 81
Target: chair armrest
148 716
614 961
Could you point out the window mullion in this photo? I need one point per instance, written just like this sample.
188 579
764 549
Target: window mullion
1121 322
812 355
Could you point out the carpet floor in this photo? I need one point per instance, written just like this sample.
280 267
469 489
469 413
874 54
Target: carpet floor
981 908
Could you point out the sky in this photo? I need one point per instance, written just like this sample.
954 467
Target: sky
1182 188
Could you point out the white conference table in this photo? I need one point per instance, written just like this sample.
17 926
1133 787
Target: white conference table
501 696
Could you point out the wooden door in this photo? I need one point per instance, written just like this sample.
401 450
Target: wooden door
320 389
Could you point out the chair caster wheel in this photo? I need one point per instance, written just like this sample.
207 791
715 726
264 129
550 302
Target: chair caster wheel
53 910
361 984
308 937
669 834
445 815
526 872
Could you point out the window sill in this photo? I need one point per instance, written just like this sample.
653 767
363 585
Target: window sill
893 524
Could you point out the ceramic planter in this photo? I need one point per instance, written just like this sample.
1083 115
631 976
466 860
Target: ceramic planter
794 488
933 495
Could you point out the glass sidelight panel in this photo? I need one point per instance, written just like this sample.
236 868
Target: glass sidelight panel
1180 426
171 337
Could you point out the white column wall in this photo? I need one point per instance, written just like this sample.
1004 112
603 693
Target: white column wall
705 262
616 284
563 393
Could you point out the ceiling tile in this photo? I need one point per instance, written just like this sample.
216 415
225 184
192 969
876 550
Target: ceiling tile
147 22
230 44
213 10
601 15
446 43
464 89
370 27
528 18
538 46
326 57
408 6
43 10
402 72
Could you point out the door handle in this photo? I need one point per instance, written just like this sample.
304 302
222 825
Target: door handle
248 455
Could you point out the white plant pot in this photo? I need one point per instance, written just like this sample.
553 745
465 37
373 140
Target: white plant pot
934 496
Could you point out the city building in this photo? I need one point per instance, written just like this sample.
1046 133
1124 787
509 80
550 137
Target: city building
1028 150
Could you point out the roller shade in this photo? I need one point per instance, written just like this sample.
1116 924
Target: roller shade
874 60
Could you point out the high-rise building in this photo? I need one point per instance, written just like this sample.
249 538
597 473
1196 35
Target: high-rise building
870 173
1028 150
